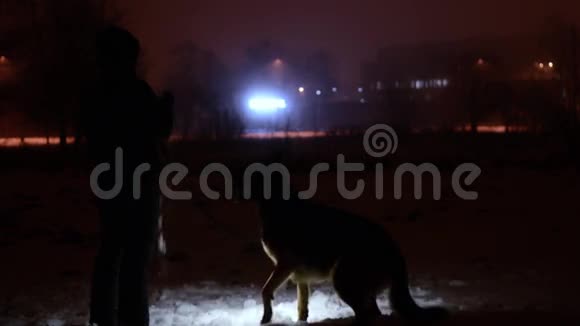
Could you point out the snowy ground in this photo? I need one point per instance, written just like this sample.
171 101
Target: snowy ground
506 259
238 306
211 304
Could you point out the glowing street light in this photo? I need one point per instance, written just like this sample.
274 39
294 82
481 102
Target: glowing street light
334 89
360 89
318 92
278 62
301 89
541 65
551 64
266 105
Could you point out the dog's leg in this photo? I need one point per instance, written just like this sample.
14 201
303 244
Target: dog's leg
303 295
277 278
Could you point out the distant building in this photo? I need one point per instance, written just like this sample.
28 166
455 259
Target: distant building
445 85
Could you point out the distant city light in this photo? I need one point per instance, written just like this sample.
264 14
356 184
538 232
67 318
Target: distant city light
278 62
430 83
3 59
541 65
480 61
301 89
33 141
334 89
262 104
363 101
318 92
360 89
551 64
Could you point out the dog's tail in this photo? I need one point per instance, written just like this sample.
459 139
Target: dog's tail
403 303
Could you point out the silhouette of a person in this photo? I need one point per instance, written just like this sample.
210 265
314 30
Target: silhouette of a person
123 112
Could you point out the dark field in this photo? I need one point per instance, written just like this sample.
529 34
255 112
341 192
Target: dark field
508 258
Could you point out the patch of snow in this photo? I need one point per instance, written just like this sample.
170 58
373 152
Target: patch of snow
55 322
213 305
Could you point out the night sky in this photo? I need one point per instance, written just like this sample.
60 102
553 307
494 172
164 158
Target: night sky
350 30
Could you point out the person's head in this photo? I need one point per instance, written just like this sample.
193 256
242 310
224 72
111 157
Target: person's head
117 52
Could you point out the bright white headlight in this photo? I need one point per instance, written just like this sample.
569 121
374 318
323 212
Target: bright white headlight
262 104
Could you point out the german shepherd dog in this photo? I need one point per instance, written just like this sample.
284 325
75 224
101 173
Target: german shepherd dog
310 243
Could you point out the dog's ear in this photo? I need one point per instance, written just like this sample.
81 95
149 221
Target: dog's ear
255 187
238 184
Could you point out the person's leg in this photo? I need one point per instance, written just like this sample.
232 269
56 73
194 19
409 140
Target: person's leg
139 245
104 287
